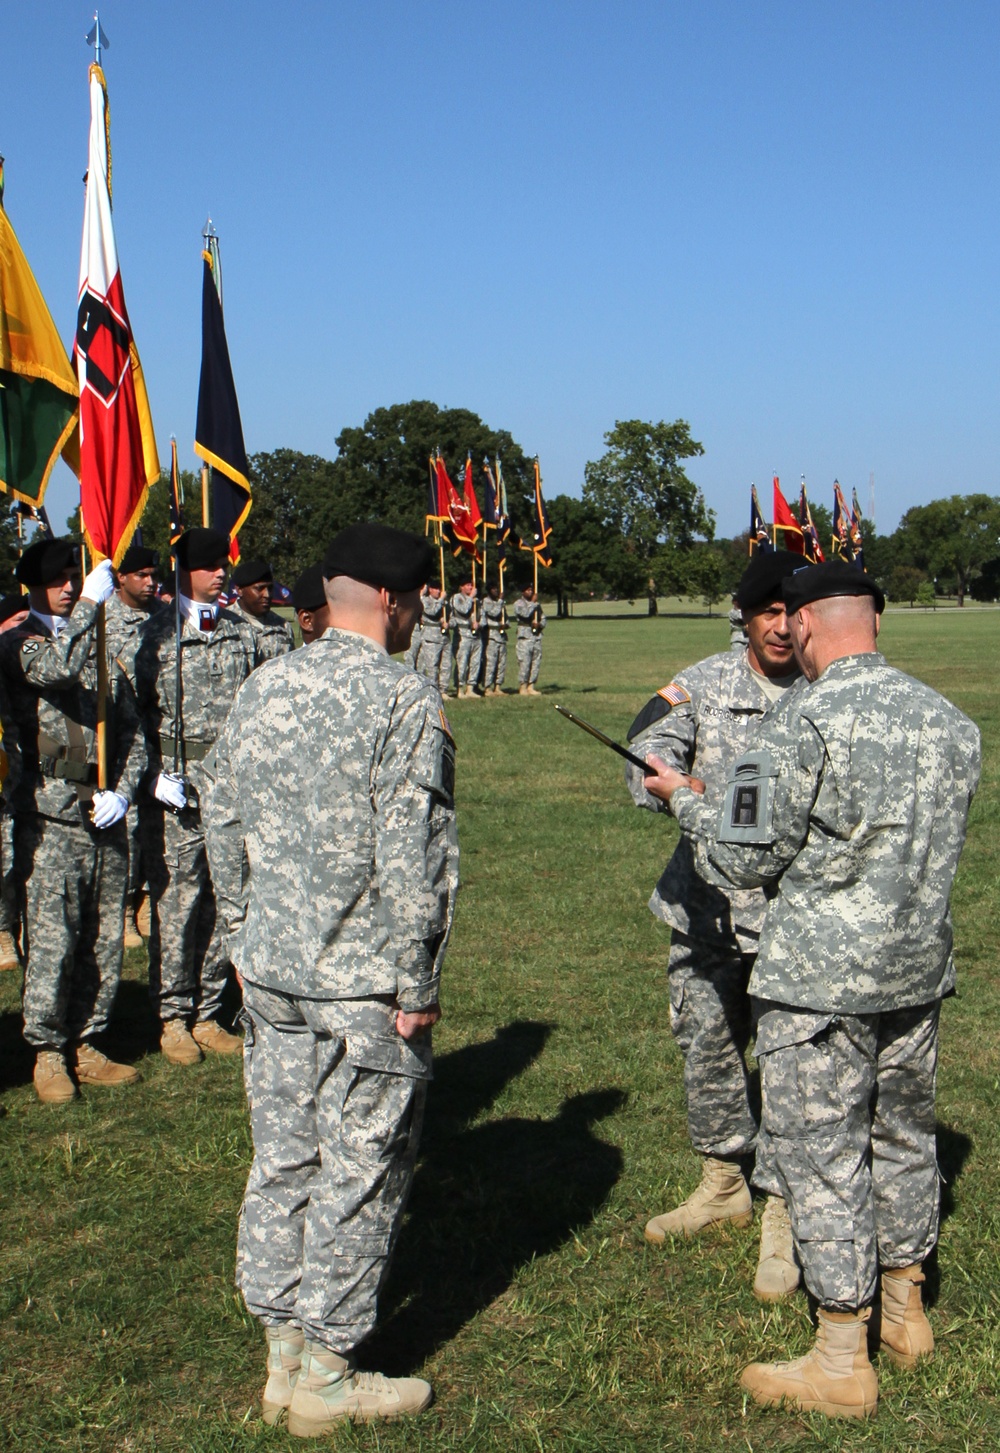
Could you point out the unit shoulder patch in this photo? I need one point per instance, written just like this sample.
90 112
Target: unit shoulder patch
29 647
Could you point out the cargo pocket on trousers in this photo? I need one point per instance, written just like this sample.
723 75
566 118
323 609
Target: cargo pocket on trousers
798 1073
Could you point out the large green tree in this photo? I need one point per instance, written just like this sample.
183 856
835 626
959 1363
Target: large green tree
590 559
640 489
953 536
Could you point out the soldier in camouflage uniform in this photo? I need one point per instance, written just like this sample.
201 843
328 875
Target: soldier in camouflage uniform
435 640
334 776
530 625
737 630
701 723
188 964
70 854
852 810
254 581
125 614
495 624
469 647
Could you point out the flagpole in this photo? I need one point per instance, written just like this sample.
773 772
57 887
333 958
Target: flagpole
204 495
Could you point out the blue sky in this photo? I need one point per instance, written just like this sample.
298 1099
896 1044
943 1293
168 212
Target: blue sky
777 221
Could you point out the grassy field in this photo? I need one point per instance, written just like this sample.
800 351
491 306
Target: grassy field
523 1287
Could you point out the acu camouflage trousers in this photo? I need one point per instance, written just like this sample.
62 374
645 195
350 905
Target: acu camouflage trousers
849 1112
336 1106
71 879
711 1020
529 659
467 659
188 963
434 659
496 663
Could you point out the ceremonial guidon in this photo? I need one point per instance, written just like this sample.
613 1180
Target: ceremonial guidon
334 780
70 857
254 580
851 810
699 724
186 666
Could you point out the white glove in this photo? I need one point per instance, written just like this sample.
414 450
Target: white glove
107 809
99 585
169 790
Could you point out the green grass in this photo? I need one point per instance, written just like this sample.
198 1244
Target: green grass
523 1286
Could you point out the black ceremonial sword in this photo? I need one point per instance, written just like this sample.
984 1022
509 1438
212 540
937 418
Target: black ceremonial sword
615 747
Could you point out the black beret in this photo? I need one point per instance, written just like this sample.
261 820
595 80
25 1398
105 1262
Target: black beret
380 556
201 549
138 557
834 577
43 561
250 572
760 583
13 605
308 592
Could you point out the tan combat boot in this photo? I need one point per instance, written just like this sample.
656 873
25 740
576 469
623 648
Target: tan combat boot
209 1035
177 1044
522 691
723 1195
94 1068
835 1378
8 951
284 1358
777 1270
143 916
533 692
905 1334
53 1085
327 1390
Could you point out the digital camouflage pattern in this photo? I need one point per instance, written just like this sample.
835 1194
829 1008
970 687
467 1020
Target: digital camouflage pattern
274 634
853 812
861 1184
703 736
495 623
530 624
435 656
188 965
353 864
122 623
70 878
334 783
700 724
336 1106
469 648
737 630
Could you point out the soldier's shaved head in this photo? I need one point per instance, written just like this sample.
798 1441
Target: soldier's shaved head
825 630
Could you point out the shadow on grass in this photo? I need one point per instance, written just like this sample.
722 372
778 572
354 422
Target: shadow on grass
488 1198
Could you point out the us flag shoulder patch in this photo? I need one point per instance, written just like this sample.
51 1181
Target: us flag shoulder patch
446 726
674 694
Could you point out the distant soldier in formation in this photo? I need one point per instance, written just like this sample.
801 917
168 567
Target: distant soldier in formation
435 657
495 626
127 611
700 723
188 965
412 654
530 625
254 581
309 600
469 648
70 854
737 630
13 611
851 810
335 776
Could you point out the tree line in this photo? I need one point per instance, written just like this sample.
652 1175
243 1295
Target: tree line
641 529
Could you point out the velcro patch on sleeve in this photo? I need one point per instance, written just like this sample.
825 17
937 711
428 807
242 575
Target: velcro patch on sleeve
748 808
674 694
